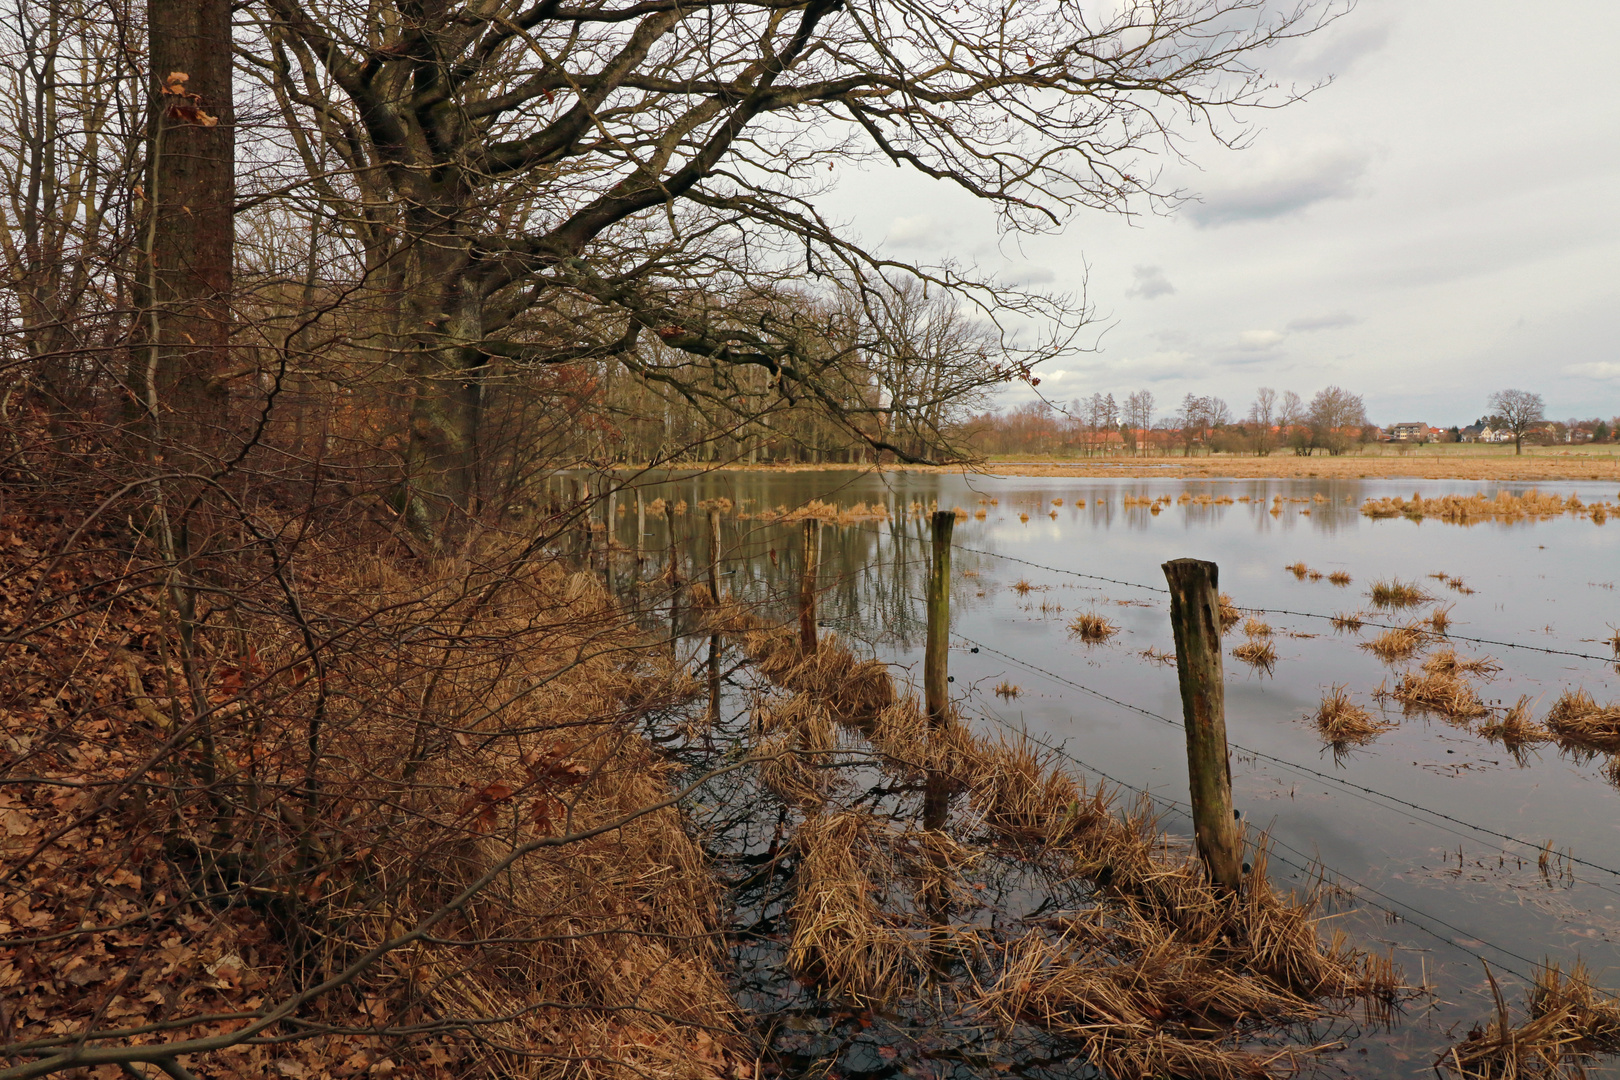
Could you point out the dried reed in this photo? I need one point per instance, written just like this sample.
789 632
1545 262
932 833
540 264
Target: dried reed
1229 613
1398 643
1440 618
1344 723
1255 628
1092 627
1348 620
1447 662
1007 690
1577 719
841 939
1298 569
1567 1023
1516 728
1439 692
1469 509
1397 594
1257 652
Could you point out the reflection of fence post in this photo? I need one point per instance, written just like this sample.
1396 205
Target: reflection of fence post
674 578
714 610
807 585
936 662
610 517
1195 617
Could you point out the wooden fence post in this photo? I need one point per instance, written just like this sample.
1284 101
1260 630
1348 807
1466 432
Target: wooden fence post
714 600
936 662
674 579
1195 616
807 585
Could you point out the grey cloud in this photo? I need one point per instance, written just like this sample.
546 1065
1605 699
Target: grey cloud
1323 322
1282 186
1031 275
1150 282
1337 50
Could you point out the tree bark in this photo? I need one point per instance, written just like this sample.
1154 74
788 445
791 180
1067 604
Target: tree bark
183 292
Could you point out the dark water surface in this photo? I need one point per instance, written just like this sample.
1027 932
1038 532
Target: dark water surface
1433 879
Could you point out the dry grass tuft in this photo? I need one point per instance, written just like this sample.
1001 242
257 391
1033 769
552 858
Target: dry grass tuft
1230 615
1007 690
1092 628
1022 587
1257 652
1568 1022
1577 719
1440 619
1348 621
1516 728
1398 643
1447 662
1299 570
1255 628
1339 578
1469 509
1397 594
1439 692
1344 723
841 940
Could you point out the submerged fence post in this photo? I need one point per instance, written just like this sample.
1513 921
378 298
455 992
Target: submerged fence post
714 610
807 585
1195 617
936 663
674 569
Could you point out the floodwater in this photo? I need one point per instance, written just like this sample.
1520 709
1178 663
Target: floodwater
1438 832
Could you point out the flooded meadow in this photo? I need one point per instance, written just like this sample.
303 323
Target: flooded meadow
1420 689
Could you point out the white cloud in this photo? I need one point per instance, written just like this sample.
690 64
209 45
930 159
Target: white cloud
1150 282
1323 322
1280 183
920 230
1259 340
1053 374
1597 369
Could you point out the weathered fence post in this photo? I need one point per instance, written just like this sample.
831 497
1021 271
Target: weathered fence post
936 663
714 600
1195 616
807 585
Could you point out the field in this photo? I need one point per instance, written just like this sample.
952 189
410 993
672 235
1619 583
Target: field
1419 463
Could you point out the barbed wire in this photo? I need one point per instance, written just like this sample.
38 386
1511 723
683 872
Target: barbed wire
1284 762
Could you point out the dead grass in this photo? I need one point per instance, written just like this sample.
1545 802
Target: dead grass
1398 594
1440 619
1470 509
1447 662
1005 689
1256 628
841 938
1092 628
1439 692
1230 615
1343 723
1350 621
1299 570
1398 643
1256 652
1567 1023
1339 578
1576 719
1516 728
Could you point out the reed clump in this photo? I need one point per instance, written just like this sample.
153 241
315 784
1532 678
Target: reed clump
1256 628
1579 720
1344 723
1398 594
1447 662
1257 652
1230 615
1439 692
1567 1023
1339 578
1398 642
1470 509
1298 569
1350 621
1092 628
1008 690
1516 728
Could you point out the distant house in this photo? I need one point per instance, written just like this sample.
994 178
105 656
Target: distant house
1470 433
1415 431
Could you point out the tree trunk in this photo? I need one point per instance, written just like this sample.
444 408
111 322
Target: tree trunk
183 292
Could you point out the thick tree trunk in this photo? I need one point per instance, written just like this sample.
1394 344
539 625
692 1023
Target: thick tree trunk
183 290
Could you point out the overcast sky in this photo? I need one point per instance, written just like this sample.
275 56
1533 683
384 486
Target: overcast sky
1441 221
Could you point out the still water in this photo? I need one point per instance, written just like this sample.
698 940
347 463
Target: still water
1438 831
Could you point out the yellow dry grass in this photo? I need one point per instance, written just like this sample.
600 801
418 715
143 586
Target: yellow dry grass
1256 652
1471 509
1577 720
1092 628
1447 662
1398 643
1339 578
1343 723
1440 692
1397 594
1567 1023
1516 728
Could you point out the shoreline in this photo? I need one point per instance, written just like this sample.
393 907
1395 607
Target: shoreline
1525 469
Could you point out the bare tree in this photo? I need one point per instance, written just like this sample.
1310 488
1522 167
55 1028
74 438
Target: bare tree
1334 412
1516 410
1263 415
547 185
1139 414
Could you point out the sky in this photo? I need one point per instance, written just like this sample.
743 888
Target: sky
1440 221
